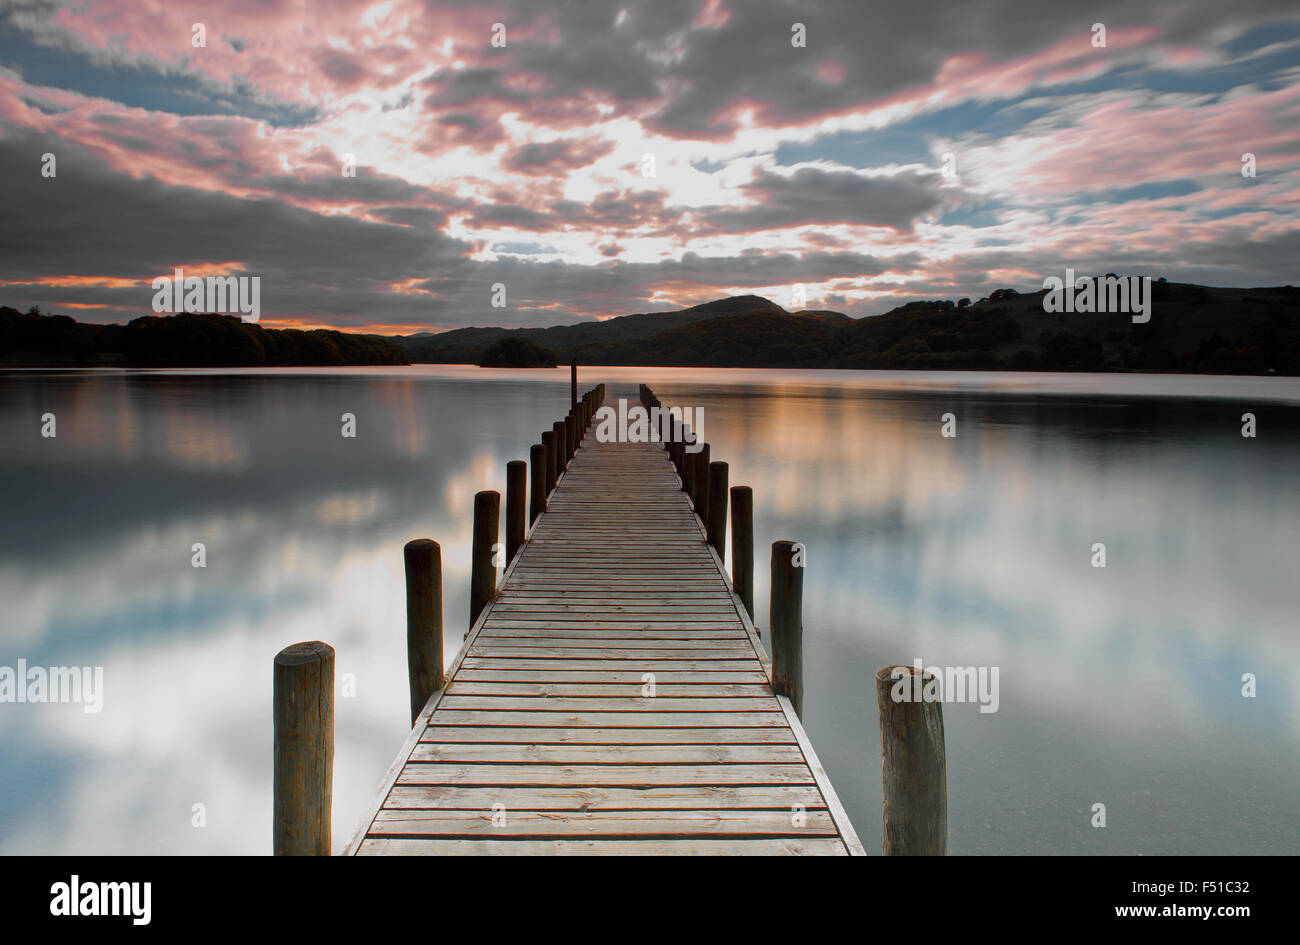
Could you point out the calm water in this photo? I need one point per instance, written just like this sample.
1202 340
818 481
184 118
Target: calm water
1119 686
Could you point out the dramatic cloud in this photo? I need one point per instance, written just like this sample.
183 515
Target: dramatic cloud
386 164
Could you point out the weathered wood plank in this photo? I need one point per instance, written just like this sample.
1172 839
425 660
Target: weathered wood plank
450 797
786 846
613 775
665 824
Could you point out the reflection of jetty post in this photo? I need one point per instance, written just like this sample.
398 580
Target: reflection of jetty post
303 774
914 769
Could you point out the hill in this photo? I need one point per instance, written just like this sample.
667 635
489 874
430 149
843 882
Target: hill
517 353
1192 329
465 345
186 340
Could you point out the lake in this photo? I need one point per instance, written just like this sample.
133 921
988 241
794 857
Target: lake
1119 685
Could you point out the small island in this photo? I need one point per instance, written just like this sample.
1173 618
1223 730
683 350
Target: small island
517 353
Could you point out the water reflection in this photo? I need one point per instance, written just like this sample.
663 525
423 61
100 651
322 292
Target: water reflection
1119 686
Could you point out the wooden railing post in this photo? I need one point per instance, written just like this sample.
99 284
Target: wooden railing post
483 571
303 740
717 509
742 545
573 383
700 483
516 490
571 433
785 614
548 440
424 669
561 447
537 485
688 474
914 769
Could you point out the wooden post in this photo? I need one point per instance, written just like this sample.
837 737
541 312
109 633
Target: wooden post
914 768
423 621
483 572
700 498
785 614
561 447
537 463
548 440
571 432
688 473
516 524
303 767
717 509
573 383
742 545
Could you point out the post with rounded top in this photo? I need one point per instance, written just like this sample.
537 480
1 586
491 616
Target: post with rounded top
516 489
303 740
688 472
742 545
423 559
537 485
561 448
785 614
914 766
483 569
700 483
716 524
548 440
571 434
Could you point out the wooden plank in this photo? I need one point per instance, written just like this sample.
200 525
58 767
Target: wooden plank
786 846
488 753
608 703
664 824
707 797
611 719
612 775
576 735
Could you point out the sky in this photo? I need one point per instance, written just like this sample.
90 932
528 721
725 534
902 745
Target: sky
404 166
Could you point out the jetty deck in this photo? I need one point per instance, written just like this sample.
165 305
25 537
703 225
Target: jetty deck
612 698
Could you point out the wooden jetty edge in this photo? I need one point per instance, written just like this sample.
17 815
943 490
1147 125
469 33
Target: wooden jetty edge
612 697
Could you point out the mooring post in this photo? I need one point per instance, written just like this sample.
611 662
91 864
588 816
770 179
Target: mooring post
688 473
785 614
423 560
548 440
483 570
914 768
537 486
561 447
303 765
742 545
516 523
571 434
573 383
717 509
700 497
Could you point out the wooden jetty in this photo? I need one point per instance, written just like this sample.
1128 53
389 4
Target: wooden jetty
612 696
